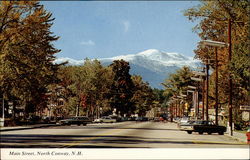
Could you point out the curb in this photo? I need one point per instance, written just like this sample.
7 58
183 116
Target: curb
26 127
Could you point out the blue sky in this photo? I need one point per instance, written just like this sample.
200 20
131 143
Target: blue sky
100 29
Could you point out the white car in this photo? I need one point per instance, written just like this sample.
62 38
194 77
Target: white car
105 119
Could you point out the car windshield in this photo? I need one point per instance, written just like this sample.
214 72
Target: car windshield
191 122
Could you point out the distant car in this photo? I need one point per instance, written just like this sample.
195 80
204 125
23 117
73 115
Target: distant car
156 119
177 119
131 118
105 119
80 120
141 119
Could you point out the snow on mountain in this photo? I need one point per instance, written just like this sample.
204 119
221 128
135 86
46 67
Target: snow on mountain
153 65
155 60
70 61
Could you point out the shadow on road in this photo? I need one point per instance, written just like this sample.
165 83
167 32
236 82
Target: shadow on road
111 127
83 141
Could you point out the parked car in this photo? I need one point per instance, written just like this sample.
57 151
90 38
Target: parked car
176 119
131 118
187 126
141 119
75 120
183 121
156 119
205 126
105 119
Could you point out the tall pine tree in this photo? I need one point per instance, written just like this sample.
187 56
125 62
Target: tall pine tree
26 51
122 89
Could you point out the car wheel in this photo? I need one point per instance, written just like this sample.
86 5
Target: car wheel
209 132
200 132
221 133
78 124
189 132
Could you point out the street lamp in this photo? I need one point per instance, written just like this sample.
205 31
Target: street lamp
198 104
201 75
195 94
192 87
215 44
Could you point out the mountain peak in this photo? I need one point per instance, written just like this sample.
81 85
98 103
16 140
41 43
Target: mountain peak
162 56
149 52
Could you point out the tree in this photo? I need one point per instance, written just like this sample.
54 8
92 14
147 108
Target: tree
122 88
26 51
214 17
87 87
143 96
178 83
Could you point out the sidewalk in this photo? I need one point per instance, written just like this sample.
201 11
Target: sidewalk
4 129
238 136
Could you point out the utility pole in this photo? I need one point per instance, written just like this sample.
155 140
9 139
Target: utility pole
203 94
172 111
230 78
197 101
216 86
176 107
207 89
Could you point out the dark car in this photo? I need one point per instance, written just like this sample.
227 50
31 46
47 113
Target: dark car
205 127
141 119
75 120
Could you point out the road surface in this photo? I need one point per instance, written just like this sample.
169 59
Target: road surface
116 135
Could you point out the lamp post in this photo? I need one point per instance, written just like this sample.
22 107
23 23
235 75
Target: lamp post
198 104
201 79
195 99
215 44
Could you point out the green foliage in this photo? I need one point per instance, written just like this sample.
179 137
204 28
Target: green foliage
143 96
26 51
122 88
178 82
87 86
93 86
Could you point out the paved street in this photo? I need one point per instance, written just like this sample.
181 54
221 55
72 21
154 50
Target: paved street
115 135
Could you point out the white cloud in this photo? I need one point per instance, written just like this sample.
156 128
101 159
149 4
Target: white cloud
126 25
88 43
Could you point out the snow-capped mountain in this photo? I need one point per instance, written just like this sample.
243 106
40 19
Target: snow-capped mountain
153 65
